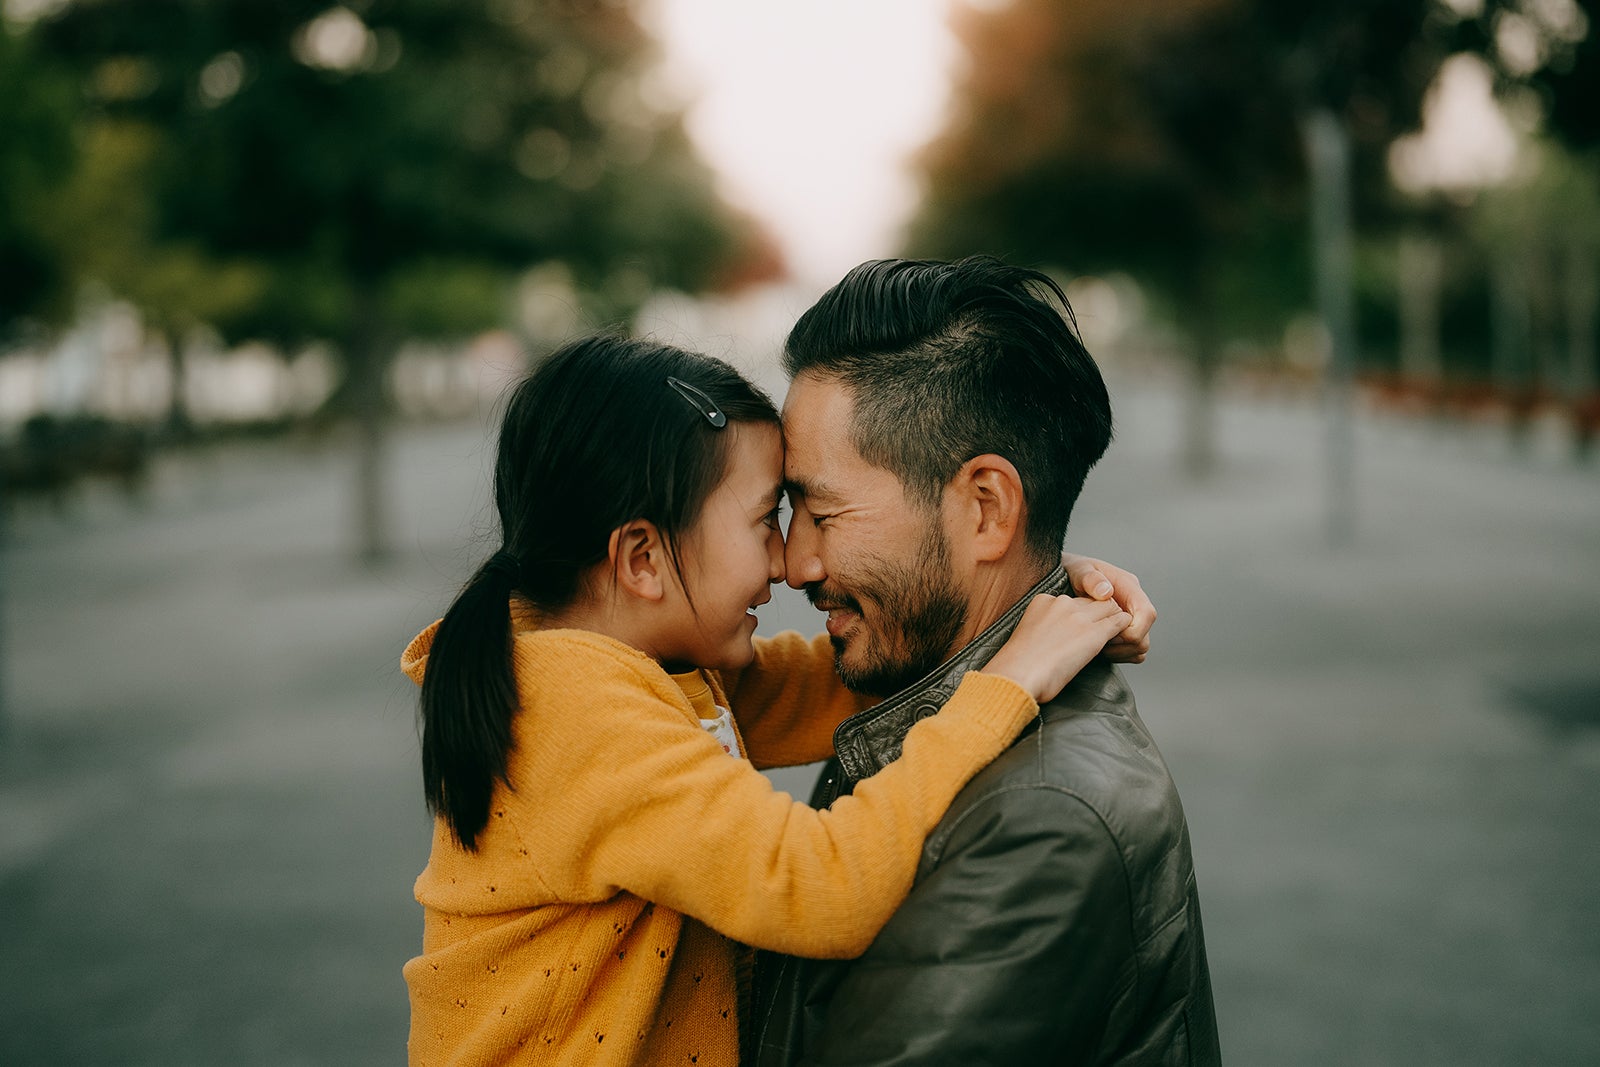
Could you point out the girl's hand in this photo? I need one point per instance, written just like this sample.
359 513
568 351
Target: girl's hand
1100 580
1057 637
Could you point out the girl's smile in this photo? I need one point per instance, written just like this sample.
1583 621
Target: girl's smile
734 552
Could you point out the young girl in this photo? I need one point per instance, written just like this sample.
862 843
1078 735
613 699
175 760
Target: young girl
604 846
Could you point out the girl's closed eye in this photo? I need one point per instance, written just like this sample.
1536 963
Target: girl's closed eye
772 518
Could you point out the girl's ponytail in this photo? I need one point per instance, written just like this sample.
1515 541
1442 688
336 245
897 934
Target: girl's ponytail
469 696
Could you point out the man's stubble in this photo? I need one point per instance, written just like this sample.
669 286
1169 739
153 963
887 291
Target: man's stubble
918 613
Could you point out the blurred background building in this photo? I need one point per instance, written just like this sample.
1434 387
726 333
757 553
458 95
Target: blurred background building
265 270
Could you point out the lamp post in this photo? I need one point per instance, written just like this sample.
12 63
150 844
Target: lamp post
1328 160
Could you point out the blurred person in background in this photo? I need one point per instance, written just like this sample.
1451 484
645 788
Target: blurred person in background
940 423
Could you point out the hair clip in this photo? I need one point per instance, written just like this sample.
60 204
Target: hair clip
702 403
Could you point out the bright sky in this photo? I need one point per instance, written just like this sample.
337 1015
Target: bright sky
809 109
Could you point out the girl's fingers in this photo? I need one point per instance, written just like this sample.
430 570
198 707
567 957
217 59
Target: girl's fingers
1097 610
1144 617
1115 624
1097 579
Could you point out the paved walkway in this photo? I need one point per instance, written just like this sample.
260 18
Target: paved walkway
210 816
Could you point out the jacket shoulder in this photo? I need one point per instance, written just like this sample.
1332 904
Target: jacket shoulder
1090 746
1090 742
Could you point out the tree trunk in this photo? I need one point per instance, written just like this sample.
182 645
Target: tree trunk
1547 370
5 546
1421 281
367 354
1200 401
180 426
1327 146
1511 329
1583 320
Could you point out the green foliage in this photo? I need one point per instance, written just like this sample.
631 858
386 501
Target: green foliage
1558 205
1163 139
1566 81
1571 86
101 223
439 298
297 170
36 152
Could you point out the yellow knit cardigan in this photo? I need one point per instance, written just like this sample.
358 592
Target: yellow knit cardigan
602 918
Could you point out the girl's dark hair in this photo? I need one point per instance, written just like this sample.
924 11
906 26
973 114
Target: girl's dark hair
594 438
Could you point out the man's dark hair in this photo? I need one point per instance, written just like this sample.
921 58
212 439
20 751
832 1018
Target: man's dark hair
947 361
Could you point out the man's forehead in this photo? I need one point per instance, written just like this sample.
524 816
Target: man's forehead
830 470
816 398
813 468
816 418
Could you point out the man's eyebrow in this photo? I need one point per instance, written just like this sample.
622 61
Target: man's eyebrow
808 490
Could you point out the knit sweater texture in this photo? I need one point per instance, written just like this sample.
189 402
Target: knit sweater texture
604 915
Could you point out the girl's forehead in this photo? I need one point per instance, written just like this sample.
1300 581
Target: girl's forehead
756 462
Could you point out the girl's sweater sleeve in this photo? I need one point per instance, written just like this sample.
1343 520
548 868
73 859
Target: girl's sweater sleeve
789 700
615 787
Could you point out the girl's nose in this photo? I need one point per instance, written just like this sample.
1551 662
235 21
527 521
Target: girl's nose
775 557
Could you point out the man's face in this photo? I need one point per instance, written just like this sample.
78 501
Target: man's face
876 561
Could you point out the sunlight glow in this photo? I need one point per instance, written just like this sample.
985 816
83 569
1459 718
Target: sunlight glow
1465 143
810 111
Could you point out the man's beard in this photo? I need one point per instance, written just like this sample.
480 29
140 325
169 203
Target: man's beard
918 614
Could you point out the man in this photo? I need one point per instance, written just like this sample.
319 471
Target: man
940 423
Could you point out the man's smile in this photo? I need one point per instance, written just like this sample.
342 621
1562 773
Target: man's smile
840 620
843 611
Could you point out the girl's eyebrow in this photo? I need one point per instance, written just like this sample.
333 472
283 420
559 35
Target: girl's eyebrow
771 500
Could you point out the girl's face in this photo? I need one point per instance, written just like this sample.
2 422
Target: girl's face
734 552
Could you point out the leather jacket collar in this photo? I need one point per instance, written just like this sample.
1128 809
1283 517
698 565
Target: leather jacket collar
870 740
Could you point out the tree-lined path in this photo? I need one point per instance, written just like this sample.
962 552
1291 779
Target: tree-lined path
210 816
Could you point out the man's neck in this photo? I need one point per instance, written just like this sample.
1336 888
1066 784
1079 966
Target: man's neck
994 594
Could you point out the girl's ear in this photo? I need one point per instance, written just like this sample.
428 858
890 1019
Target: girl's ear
639 560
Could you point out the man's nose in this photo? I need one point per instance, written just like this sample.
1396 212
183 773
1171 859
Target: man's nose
803 564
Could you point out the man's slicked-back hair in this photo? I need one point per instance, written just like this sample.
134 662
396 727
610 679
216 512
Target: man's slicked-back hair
949 360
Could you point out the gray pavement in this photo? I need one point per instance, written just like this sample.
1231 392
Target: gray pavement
1390 753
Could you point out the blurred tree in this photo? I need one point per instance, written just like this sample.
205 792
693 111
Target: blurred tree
103 223
1167 138
1541 236
36 153
383 170
1541 232
1549 47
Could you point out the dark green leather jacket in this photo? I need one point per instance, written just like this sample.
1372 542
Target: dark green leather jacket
1054 918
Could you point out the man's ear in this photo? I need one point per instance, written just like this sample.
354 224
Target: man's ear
639 560
989 498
